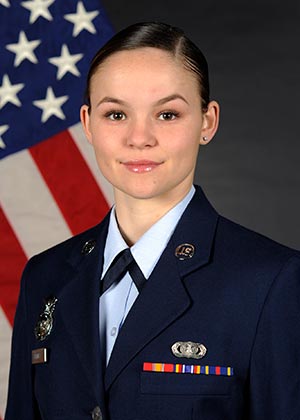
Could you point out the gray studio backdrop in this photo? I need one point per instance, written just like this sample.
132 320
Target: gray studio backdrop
250 171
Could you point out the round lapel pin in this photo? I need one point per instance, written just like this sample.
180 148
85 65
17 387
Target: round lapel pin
185 251
88 247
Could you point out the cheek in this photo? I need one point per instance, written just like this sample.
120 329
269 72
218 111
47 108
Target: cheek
105 136
104 162
186 133
103 154
184 146
184 154
102 149
99 137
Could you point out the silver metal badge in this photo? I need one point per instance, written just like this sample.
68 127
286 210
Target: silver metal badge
189 349
45 323
185 251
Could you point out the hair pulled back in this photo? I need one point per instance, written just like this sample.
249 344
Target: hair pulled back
158 35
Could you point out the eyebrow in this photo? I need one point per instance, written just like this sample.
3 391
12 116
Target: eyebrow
171 98
109 99
162 101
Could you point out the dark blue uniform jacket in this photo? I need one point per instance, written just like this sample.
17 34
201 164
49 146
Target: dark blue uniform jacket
239 295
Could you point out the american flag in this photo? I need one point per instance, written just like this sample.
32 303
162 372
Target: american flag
51 188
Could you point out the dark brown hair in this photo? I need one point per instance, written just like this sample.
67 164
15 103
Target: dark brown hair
157 35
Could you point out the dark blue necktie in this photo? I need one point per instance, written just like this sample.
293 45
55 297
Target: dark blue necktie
122 263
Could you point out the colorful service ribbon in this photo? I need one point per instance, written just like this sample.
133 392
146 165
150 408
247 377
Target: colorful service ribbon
192 369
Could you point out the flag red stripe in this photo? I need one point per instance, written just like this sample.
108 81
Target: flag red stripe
70 181
12 262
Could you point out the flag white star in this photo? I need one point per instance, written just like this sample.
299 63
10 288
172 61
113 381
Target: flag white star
51 105
24 49
66 62
82 19
4 3
8 92
38 8
3 129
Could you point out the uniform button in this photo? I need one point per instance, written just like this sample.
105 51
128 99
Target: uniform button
113 331
96 414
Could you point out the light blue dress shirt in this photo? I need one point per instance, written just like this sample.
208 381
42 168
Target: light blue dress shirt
116 302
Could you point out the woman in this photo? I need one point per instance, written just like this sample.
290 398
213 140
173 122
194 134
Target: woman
206 324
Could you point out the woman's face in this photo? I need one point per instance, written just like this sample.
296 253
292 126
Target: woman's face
146 123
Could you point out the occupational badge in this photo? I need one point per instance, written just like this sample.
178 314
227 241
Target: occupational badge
189 349
45 322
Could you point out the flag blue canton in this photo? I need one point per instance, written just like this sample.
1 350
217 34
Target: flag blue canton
45 51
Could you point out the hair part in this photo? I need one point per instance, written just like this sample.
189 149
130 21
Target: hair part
157 35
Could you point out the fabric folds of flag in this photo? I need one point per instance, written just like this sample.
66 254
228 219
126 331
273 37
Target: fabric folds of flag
51 188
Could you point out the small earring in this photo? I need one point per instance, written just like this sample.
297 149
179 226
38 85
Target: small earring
205 138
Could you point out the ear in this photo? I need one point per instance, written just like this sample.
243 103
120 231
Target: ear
210 122
85 121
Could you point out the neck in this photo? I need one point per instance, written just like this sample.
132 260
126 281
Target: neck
135 216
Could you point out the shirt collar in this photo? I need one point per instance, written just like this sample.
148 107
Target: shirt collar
148 249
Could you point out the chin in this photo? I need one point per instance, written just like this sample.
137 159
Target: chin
140 192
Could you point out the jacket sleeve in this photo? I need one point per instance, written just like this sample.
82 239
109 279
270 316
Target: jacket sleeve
21 403
275 363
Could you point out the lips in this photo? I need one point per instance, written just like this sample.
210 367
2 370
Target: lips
141 166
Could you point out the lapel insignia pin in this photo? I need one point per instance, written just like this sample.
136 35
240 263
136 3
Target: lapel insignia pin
88 247
189 349
45 323
185 251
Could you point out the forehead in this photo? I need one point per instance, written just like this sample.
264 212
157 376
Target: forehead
151 65
141 54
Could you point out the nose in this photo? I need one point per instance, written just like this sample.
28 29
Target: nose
140 134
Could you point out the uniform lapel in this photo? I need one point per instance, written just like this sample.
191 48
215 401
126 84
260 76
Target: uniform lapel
165 298
149 315
79 303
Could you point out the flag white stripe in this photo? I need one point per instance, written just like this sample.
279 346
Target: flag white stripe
88 153
5 343
29 206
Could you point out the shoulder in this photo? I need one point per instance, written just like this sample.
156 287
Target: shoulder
66 248
54 261
233 243
251 252
247 240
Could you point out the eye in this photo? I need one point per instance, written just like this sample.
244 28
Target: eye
168 115
115 115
